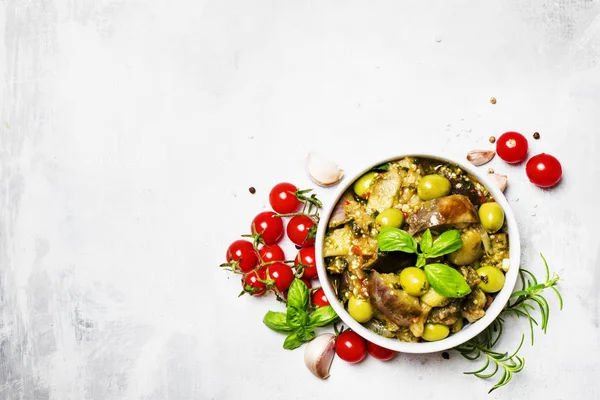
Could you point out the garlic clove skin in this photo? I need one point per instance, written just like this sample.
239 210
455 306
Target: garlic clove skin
318 355
480 157
499 180
322 171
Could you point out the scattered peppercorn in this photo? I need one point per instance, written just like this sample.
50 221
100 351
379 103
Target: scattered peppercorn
492 139
536 135
490 171
251 189
493 100
445 355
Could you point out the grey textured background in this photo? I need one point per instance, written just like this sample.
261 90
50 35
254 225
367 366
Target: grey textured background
131 130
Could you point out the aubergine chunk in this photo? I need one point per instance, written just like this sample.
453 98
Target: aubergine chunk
471 276
473 306
454 210
392 261
417 328
385 190
447 315
340 216
396 305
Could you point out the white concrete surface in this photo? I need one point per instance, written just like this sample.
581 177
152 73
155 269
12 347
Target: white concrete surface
130 132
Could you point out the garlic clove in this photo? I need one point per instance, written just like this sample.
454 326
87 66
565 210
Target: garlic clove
322 171
480 157
499 180
318 355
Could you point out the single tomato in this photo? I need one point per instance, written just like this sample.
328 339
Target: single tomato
306 259
301 230
270 253
512 147
283 199
251 282
268 226
380 353
319 299
544 170
281 274
243 254
351 347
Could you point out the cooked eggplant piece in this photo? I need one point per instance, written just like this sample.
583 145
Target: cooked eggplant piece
339 216
393 261
383 328
405 335
447 315
471 276
338 242
418 327
473 306
384 191
471 250
454 210
465 187
397 305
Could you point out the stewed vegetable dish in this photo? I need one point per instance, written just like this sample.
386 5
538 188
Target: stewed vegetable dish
416 249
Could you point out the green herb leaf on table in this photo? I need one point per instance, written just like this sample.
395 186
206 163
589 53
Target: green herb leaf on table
296 317
426 242
277 322
298 295
323 316
446 280
446 243
293 341
394 239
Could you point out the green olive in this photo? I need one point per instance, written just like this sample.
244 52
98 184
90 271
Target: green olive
434 332
362 185
492 279
360 309
414 281
433 186
491 216
390 217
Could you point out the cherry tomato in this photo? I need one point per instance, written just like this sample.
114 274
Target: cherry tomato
270 227
380 353
282 198
319 299
270 253
306 257
512 147
298 230
251 283
544 170
351 347
282 275
307 283
242 252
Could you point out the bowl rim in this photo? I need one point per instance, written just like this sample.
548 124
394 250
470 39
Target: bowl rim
471 330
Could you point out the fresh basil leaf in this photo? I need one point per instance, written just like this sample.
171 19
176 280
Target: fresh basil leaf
322 316
446 243
446 280
426 241
293 341
298 295
421 261
394 239
306 334
277 321
296 317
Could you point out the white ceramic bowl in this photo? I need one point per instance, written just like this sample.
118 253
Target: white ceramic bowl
470 330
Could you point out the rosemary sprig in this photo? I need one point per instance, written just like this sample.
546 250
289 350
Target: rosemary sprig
521 305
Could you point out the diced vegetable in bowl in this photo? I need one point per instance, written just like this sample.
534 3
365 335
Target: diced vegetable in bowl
420 252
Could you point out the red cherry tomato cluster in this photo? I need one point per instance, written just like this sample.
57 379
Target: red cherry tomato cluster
353 348
543 170
262 261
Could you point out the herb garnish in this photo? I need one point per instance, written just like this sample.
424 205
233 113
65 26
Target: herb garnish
444 279
298 322
521 305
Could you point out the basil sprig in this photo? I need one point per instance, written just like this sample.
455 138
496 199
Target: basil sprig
298 322
444 279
